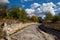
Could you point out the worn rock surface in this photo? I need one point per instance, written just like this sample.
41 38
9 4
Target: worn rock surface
10 29
32 33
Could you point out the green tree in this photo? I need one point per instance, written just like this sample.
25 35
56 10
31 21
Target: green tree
15 12
59 17
8 15
56 18
48 16
23 15
3 11
19 13
34 18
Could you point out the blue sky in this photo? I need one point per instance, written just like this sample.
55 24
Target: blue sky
36 7
28 3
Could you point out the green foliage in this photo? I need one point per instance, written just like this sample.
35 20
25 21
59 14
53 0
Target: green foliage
48 16
23 15
2 11
59 17
18 13
56 18
15 12
8 14
34 18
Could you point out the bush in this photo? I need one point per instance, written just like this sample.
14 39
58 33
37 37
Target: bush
16 13
8 14
23 14
34 18
56 18
48 16
2 12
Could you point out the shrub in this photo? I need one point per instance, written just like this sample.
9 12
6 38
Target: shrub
56 18
34 18
48 16
8 14
15 12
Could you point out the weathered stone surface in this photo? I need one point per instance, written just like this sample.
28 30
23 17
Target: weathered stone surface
32 33
14 27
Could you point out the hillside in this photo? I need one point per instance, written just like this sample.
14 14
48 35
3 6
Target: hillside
55 25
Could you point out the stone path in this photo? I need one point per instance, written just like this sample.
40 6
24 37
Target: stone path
32 33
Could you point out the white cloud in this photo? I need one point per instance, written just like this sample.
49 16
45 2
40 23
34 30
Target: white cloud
30 11
48 7
58 3
23 6
35 5
28 0
40 9
4 1
58 9
25 0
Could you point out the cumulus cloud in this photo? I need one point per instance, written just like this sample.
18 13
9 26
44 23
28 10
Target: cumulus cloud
58 9
41 9
25 0
4 1
30 11
23 6
48 7
58 3
28 0
35 5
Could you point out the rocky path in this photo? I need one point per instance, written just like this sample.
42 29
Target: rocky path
32 33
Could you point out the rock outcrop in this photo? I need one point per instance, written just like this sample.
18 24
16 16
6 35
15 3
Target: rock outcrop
29 31
32 33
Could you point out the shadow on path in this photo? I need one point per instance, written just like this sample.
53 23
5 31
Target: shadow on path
50 31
